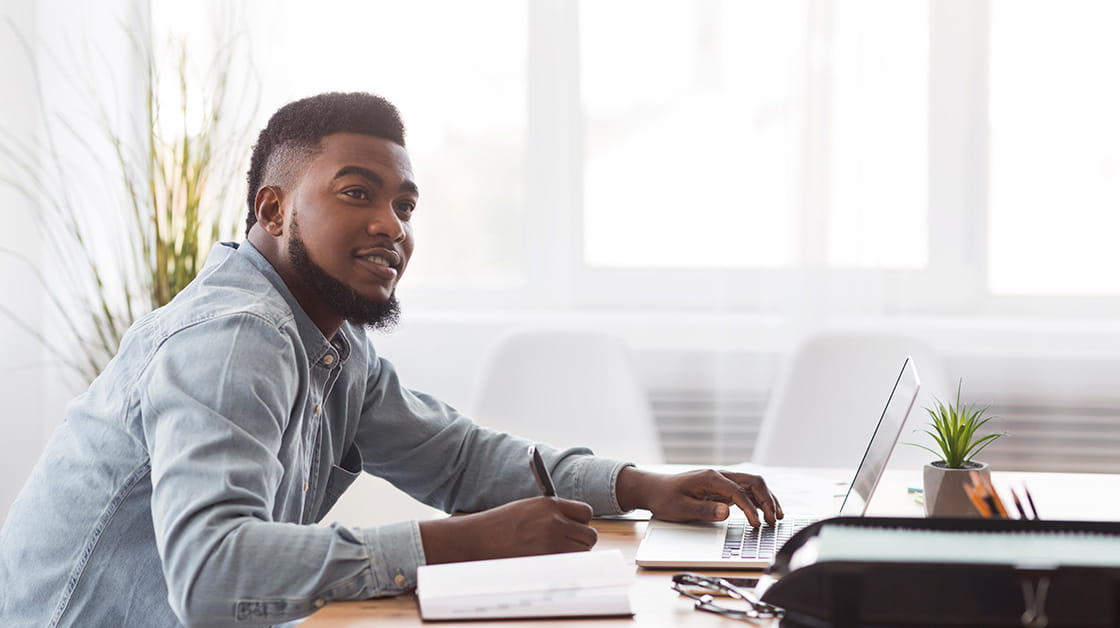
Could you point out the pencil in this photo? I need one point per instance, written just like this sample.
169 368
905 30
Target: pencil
987 493
1000 508
993 505
1018 504
1030 500
975 477
974 497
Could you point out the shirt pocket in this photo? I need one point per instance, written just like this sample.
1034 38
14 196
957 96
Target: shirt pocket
342 475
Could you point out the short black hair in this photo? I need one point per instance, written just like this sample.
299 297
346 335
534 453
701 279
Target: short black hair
297 129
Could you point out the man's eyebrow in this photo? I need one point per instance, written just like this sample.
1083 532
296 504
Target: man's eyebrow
406 186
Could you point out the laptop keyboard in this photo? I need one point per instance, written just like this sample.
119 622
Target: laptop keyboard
746 542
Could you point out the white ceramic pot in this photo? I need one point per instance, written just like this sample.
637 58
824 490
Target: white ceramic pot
944 489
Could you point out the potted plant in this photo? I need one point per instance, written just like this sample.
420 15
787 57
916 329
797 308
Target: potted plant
955 428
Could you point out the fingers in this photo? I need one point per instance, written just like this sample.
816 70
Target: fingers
748 492
576 529
778 512
581 538
568 528
577 511
742 498
759 495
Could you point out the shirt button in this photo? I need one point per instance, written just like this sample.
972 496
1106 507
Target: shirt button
400 580
319 602
318 408
328 359
305 487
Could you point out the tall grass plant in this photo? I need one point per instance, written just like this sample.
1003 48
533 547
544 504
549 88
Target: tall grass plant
172 186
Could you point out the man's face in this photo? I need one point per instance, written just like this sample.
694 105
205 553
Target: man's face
349 235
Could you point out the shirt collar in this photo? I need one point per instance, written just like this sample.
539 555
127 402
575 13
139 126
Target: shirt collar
320 350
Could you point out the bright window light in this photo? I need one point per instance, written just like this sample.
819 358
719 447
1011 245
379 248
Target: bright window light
457 71
692 117
878 171
1055 148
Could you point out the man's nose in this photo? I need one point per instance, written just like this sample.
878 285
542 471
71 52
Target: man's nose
386 222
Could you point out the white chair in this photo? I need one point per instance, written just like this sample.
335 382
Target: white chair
373 501
568 388
831 393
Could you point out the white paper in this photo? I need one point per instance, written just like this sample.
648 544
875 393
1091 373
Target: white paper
574 584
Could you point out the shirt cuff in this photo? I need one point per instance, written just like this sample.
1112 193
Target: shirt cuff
395 551
592 480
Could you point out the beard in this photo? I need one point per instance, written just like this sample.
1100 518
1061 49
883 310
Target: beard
339 297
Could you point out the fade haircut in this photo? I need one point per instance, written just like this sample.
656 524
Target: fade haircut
295 133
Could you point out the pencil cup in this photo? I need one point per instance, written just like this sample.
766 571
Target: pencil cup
944 489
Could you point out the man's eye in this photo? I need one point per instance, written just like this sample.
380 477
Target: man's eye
406 208
356 193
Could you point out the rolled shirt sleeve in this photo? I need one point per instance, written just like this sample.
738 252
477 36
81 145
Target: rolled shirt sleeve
233 458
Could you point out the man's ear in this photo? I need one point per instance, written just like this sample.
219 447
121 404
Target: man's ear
270 213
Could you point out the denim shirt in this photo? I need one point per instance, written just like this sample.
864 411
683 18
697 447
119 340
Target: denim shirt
183 484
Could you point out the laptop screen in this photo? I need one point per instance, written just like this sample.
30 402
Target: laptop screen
882 441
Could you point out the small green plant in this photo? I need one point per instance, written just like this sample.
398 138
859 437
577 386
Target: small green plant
954 428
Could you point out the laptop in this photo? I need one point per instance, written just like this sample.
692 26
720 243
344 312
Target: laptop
734 544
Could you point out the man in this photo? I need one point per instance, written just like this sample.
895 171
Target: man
183 484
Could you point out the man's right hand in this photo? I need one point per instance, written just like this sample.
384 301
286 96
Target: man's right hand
537 525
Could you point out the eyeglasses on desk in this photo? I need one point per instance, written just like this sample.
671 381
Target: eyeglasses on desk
710 586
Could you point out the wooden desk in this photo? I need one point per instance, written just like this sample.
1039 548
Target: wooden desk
655 604
1059 496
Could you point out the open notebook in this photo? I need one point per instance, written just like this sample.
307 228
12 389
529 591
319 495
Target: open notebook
577 584
734 544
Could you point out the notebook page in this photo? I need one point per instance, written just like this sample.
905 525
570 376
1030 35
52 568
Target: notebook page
579 583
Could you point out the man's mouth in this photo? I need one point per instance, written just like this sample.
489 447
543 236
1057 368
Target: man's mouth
381 257
379 260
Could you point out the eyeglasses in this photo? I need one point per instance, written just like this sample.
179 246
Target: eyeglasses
704 601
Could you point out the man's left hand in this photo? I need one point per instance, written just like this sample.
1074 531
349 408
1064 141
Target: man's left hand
704 495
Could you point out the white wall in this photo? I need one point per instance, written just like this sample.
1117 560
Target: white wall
34 389
21 356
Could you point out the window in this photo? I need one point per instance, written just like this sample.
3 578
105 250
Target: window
878 152
721 120
692 133
1055 149
865 156
456 70
746 153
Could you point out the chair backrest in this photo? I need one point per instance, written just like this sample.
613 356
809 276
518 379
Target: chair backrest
373 501
830 394
569 388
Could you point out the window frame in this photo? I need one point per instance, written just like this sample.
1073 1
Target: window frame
954 282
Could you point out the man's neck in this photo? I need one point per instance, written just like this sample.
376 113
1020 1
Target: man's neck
323 317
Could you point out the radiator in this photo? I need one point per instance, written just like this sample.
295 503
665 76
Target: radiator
1041 438
706 427
703 426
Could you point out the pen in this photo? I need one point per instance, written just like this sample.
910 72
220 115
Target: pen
540 472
